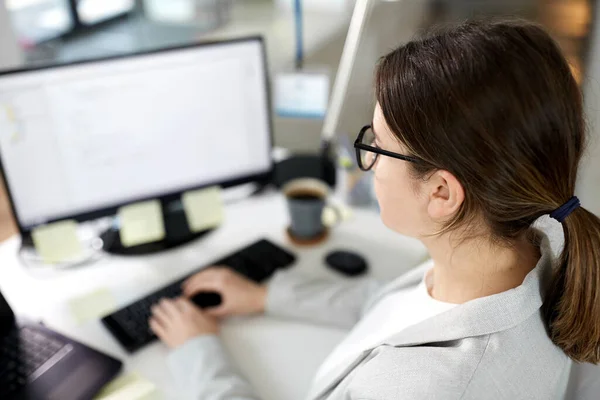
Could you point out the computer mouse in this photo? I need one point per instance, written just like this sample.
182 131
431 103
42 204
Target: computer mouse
347 263
207 299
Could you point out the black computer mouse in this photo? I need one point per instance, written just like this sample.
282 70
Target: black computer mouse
207 299
347 263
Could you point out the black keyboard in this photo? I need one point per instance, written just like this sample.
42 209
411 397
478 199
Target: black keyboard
257 262
23 351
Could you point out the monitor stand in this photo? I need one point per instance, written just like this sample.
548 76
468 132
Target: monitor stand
177 233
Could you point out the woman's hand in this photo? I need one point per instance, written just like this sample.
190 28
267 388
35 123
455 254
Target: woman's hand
179 320
239 295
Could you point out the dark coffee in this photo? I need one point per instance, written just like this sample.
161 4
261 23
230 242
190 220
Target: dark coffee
305 195
306 200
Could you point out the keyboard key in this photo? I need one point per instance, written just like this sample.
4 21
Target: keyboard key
55 346
22 370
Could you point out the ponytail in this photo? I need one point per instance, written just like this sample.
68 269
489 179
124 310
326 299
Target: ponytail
572 304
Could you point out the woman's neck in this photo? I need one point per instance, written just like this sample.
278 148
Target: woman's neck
475 268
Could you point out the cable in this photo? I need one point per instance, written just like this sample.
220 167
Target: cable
299 35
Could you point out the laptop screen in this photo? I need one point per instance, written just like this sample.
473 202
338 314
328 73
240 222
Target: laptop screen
7 318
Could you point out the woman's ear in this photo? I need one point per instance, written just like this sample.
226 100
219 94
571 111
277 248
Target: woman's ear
445 195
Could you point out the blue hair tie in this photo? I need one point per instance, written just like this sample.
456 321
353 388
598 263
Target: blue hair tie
566 209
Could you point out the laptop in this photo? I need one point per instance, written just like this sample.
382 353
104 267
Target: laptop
39 364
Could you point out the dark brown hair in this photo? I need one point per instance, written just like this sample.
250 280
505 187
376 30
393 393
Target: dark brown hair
495 103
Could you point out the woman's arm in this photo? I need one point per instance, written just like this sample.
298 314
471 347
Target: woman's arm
202 369
289 294
198 362
323 301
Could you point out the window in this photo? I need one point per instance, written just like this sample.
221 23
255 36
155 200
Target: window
39 20
94 11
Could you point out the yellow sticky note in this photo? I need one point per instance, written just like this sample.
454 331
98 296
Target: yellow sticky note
10 113
57 242
203 208
92 306
141 223
129 387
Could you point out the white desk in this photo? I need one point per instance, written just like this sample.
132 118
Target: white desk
271 353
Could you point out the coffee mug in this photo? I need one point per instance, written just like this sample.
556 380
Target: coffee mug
306 199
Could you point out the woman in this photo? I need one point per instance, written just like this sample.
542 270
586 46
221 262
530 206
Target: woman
478 131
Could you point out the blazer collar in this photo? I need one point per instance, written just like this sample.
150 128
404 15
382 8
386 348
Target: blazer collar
477 317
485 315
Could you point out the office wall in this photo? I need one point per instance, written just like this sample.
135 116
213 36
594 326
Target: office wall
390 25
589 180
10 54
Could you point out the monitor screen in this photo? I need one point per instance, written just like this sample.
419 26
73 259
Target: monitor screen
84 137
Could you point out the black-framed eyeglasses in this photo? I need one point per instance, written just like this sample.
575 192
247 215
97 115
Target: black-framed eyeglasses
367 153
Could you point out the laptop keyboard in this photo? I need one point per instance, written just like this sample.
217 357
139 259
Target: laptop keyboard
257 262
22 352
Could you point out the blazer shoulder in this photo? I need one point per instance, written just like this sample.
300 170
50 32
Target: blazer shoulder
521 363
430 371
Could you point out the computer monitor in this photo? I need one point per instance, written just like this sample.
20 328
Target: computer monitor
80 140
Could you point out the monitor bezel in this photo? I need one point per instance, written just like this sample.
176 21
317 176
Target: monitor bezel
261 178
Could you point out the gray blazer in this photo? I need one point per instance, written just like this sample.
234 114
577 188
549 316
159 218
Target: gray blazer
494 347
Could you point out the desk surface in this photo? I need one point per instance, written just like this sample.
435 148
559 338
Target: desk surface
270 352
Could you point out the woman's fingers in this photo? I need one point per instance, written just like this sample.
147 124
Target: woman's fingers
239 295
207 280
216 312
184 305
169 307
156 327
176 321
165 312
160 314
199 286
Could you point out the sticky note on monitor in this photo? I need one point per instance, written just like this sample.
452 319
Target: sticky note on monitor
57 242
91 306
203 208
129 387
141 223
